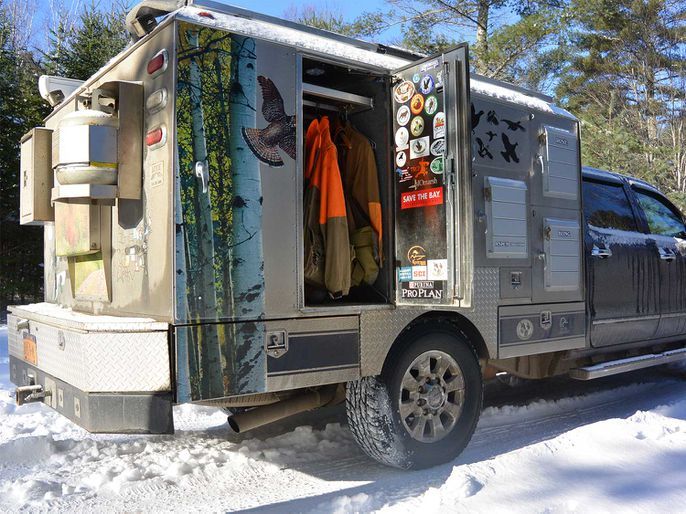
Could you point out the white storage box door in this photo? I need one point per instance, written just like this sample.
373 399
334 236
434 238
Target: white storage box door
506 213
562 254
560 164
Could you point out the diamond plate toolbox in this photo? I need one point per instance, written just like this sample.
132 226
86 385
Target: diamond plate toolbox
92 353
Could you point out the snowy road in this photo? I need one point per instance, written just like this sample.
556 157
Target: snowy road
555 446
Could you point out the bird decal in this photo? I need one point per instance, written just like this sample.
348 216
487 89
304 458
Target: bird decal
491 135
483 149
476 117
514 125
280 131
510 153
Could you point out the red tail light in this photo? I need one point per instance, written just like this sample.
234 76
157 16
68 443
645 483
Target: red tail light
158 63
155 136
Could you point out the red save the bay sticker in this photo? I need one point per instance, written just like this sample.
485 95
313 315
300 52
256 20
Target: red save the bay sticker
421 198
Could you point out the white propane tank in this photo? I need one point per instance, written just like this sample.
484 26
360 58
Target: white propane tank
87 148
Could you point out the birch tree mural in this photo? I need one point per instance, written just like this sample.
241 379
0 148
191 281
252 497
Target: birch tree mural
247 261
211 383
220 293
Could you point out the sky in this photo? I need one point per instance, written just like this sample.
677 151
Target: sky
349 9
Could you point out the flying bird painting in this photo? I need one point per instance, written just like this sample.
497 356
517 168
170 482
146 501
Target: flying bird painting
510 153
514 125
476 117
279 133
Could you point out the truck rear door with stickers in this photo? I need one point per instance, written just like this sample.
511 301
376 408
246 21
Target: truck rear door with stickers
430 105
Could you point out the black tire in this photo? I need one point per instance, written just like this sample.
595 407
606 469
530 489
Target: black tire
373 403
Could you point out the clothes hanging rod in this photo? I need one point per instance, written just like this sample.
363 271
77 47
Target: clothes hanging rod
339 96
326 107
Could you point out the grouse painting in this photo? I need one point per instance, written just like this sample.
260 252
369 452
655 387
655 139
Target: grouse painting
279 133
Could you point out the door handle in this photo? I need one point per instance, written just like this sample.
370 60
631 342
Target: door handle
667 254
601 252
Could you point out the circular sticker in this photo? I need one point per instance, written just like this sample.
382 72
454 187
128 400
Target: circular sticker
403 91
416 78
417 103
438 147
403 115
417 126
525 329
427 84
402 136
431 104
437 166
400 159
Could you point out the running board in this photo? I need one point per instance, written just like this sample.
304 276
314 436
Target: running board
605 369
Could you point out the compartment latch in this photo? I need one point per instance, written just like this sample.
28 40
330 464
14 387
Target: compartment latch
277 343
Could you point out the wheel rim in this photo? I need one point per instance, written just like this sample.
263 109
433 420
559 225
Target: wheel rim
431 396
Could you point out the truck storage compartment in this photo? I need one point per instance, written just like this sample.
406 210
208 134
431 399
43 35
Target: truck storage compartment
345 132
105 373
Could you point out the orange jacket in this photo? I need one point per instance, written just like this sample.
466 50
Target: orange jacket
327 244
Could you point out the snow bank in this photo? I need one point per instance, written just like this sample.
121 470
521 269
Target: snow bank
620 448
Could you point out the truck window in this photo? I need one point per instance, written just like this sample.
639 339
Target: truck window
661 217
607 206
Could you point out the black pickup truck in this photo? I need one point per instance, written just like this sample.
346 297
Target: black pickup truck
635 247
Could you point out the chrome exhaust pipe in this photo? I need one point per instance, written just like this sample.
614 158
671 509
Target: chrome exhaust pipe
260 416
30 394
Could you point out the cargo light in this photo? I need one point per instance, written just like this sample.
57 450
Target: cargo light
206 14
158 63
156 136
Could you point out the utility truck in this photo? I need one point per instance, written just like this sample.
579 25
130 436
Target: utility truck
199 213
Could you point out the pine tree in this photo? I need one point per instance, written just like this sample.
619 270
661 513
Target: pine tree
78 50
21 247
626 83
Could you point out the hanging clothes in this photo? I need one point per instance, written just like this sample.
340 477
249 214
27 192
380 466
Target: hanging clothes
363 201
327 243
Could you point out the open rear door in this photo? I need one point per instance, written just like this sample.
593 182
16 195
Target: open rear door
433 186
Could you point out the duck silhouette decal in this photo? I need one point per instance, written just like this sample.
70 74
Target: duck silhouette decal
279 133
510 153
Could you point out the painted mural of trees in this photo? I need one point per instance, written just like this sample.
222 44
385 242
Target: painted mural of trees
247 263
221 228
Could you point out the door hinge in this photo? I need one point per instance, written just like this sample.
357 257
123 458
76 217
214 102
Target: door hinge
488 194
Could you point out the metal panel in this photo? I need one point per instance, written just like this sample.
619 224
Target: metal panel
506 218
380 328
534 329
35 181
561 163
312 352
98 361
515 283
138 246
562 247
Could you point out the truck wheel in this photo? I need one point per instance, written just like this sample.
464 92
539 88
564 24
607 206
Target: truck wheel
423 408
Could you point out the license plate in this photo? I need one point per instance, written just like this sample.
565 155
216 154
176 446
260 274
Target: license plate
30 352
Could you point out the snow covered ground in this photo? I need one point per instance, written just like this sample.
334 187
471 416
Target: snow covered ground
613 445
